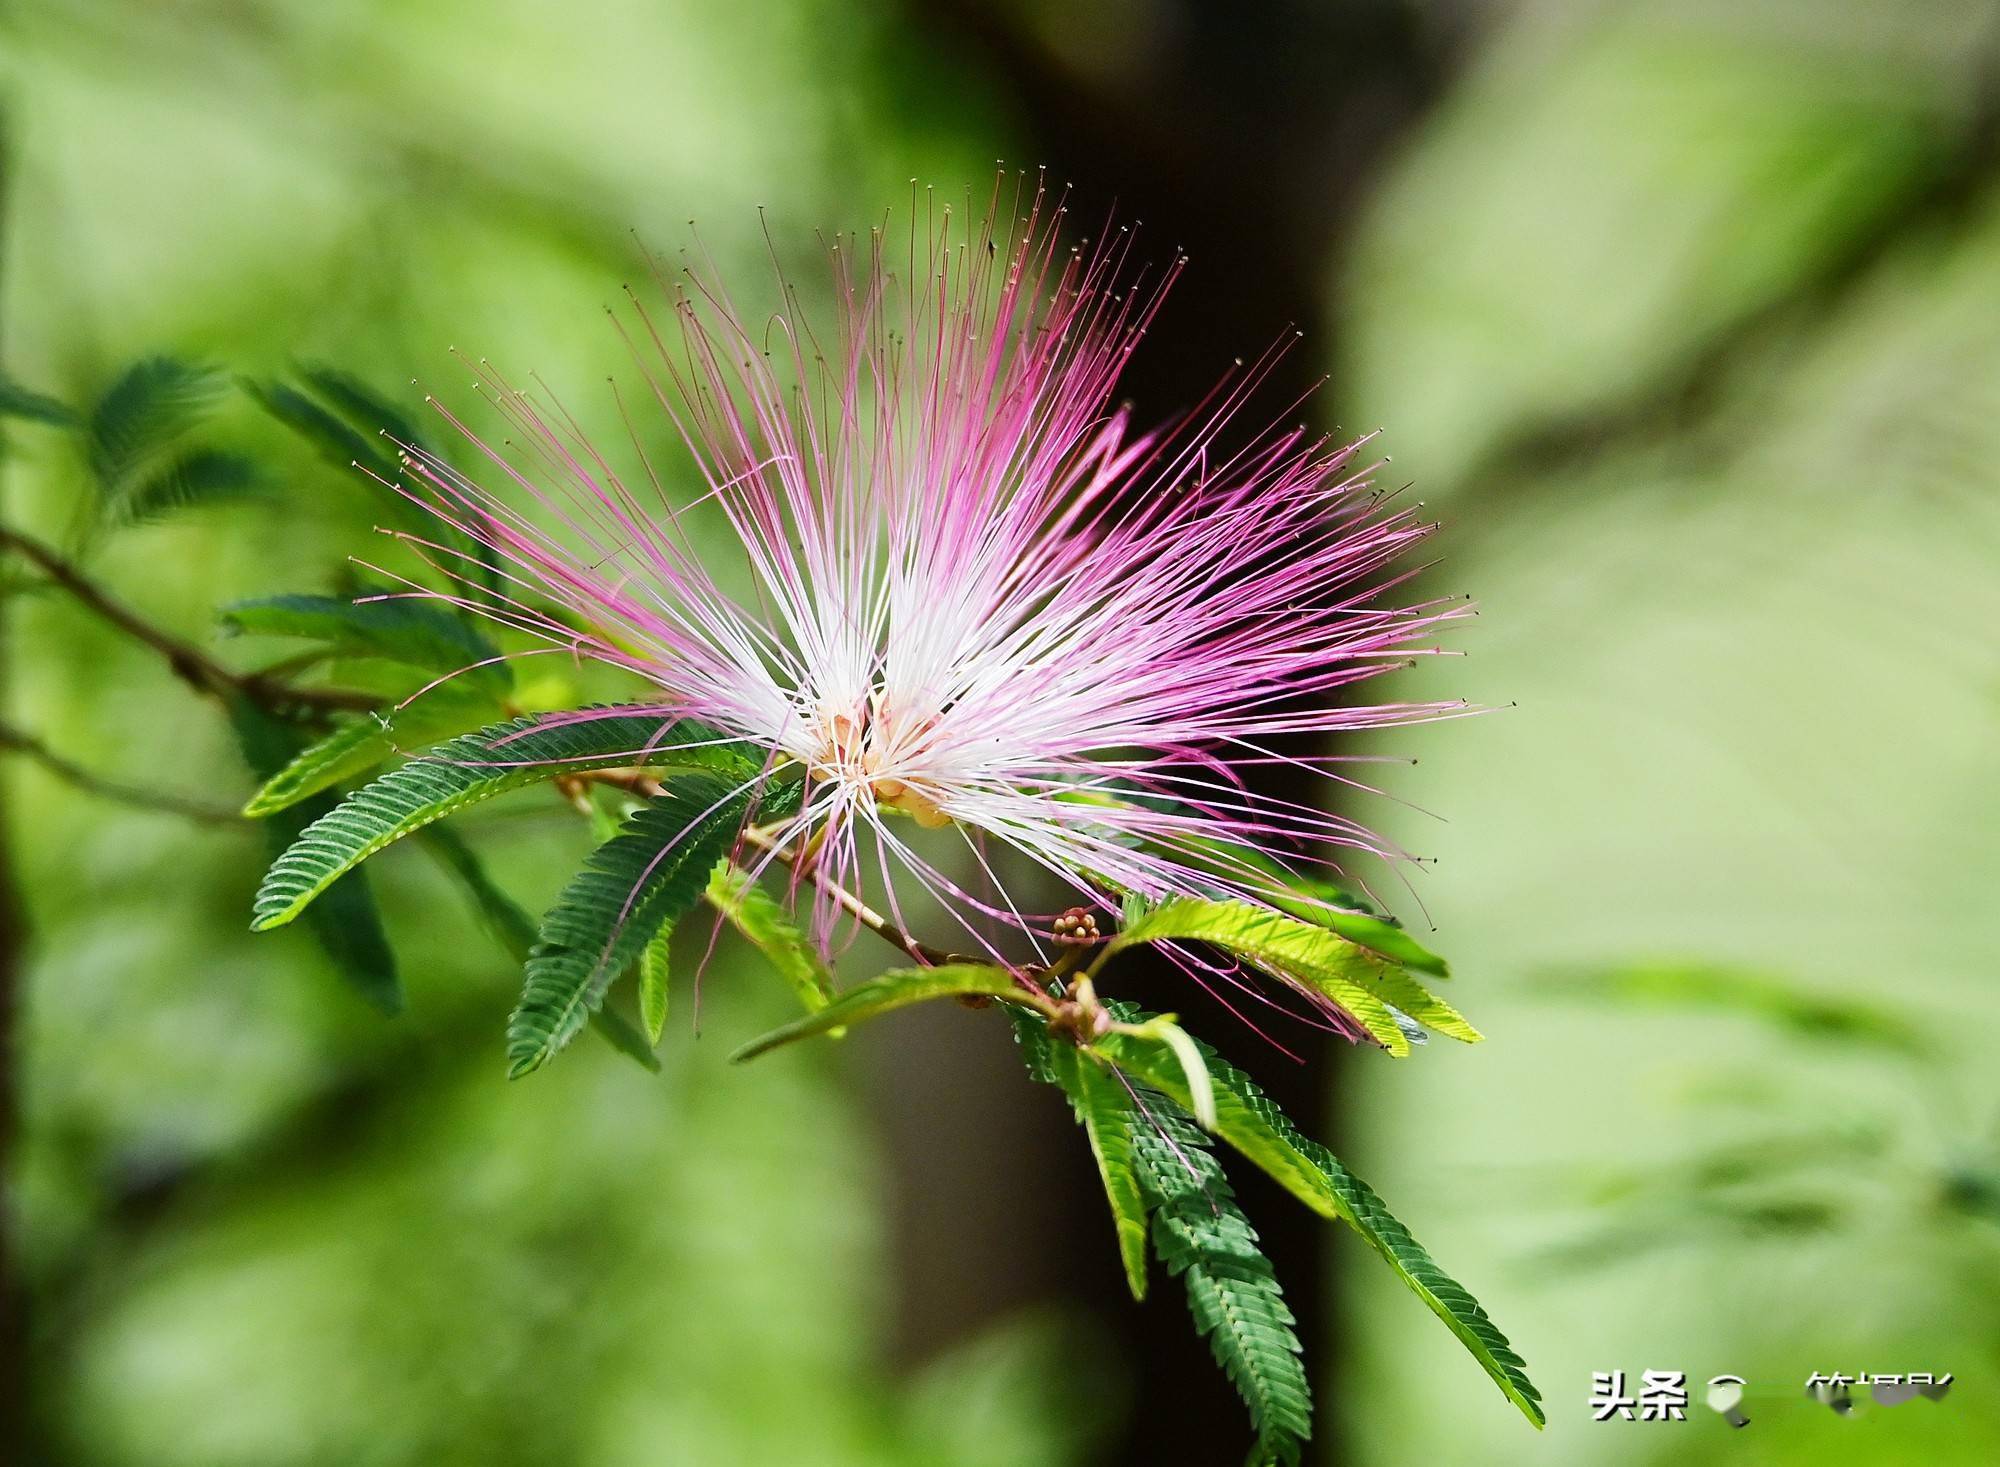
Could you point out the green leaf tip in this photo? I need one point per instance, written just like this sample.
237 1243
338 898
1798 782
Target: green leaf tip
1366 985
1253 1125
893 990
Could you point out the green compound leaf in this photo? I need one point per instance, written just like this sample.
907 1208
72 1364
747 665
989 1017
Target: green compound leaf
514 930
1248 1121
1313 899
355 428
405 630
762 919
643 879
361 404
467 770
1356 978
505 918
893 990
346 924
1203 1238
1105 1112
339 444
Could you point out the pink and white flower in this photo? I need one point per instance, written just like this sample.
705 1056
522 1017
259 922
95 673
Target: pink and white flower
976 594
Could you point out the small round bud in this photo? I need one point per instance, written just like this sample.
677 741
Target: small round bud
1077 925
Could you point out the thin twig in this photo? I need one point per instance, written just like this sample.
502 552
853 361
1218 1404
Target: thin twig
19 741
866 915
188 662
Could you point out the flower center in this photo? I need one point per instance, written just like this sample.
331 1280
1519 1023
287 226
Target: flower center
870 745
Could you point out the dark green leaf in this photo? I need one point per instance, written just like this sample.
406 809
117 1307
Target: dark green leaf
1248 1121
470 769
190 480
361 405
342 446
633 885
409 630
1204 1239
1105 1111
345 921
514 929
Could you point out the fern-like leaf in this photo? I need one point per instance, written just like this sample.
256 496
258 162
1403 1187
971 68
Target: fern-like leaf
1309 955
655 971
1203 1237
345 923
514 930
189 480
1205 1240
467 770
632 886
1248 1120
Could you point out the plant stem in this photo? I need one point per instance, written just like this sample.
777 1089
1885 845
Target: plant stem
866 915
188 662
20 741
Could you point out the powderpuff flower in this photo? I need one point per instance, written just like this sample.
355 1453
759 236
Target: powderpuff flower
963 590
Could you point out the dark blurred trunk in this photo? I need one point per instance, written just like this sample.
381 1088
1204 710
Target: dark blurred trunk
1245 135
16 1427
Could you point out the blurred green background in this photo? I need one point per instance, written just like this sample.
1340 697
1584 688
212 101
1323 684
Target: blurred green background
1684 317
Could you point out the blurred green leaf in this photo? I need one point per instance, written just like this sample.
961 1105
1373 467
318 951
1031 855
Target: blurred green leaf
1721 988
190 480
400 628
347 424
465 771
17 401
141 416
361 405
